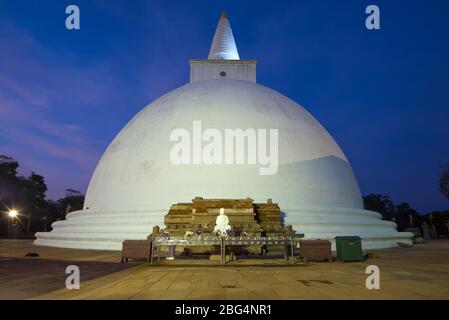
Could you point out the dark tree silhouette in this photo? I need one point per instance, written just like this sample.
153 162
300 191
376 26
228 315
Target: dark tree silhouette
73 200
381 204
399 213
28 196
8 166
406 216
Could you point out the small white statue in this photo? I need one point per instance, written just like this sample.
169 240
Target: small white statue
222 222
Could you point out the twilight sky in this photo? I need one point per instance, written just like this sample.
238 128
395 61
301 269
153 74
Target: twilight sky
383 95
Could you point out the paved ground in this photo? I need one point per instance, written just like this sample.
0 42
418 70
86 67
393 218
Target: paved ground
25 277
421 272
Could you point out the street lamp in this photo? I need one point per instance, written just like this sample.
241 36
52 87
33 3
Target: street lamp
13 213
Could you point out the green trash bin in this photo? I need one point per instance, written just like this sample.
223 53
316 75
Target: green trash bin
349 248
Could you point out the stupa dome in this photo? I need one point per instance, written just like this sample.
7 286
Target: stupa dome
136 181
136 171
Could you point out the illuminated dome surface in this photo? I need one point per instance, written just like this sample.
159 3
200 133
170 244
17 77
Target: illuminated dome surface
135 183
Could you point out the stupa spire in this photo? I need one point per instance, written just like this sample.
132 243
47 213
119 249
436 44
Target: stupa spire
223 46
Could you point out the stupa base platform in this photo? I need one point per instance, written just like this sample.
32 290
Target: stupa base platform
107 229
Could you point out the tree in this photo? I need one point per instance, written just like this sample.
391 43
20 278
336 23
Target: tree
73 200
444 181
8 166
381 204
37 186
10 184
406 216
439 221
27 195
401 213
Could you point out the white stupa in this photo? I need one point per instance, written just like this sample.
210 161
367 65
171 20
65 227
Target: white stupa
135 182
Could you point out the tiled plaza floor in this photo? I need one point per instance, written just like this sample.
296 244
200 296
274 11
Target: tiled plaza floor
421 272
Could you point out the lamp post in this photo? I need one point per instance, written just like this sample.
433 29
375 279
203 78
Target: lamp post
45 220
433 230
29 223
12 214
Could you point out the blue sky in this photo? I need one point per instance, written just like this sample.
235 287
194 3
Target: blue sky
383 95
